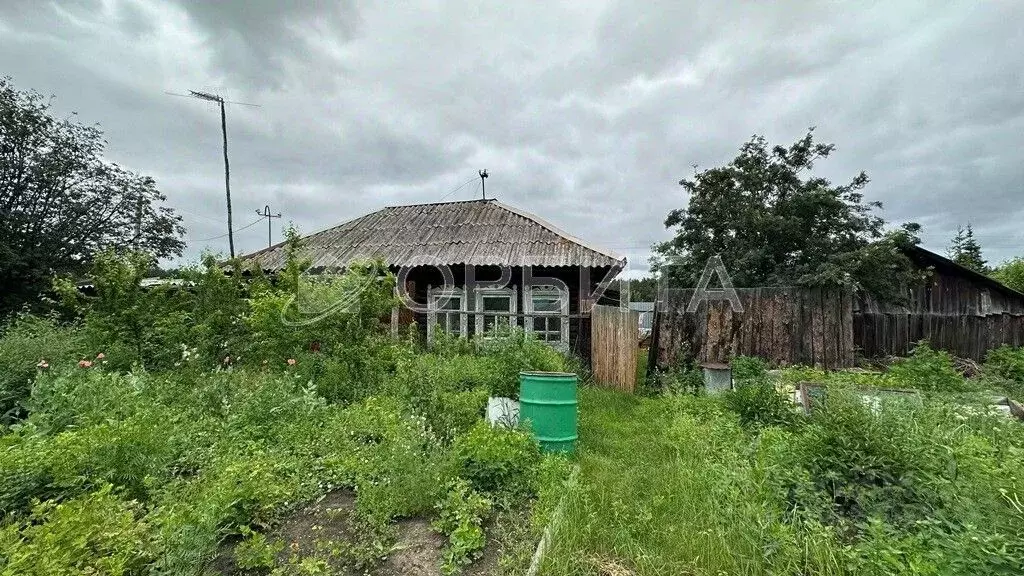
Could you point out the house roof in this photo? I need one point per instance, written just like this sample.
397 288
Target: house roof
477 232
944 265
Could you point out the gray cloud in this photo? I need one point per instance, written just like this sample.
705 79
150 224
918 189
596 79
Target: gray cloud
587 113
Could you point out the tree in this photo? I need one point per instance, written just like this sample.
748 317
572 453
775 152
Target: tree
1011 273
62 203
965 250
641 289
774 225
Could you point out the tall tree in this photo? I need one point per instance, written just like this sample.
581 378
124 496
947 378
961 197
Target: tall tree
773 223
61 202
965 250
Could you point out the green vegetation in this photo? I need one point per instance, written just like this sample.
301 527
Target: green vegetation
745 483
175 430
774 223
1011 273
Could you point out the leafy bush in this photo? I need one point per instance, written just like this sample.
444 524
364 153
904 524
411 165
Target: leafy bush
460 517
97 533
497 459
256 551
929 370
1007 363
513 352
30 344
755 398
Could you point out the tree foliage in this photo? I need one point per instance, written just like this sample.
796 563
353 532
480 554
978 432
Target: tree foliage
1011 273
965 250
62 202
775 224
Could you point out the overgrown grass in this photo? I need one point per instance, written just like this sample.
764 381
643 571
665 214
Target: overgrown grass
680 485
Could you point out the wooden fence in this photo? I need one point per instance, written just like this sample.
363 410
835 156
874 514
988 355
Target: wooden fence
784 325
613 346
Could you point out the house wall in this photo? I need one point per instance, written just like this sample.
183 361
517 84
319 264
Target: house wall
419 279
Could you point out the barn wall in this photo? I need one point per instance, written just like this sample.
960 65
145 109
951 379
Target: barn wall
952 312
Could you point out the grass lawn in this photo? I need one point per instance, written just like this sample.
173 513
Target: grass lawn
684 485
647 504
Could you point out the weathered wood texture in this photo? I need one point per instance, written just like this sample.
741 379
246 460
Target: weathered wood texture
783 325
613 346
953 313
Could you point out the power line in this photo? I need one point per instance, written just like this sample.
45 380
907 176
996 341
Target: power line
249 225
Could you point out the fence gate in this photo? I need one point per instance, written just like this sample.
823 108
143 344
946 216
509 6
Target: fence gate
614 334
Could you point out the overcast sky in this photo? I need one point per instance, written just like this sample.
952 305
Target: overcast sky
586 113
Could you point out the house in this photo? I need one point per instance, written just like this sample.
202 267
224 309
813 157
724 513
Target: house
465 267
645 312
957 309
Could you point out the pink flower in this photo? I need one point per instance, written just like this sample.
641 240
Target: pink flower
43 364
84 364
101 356
291 361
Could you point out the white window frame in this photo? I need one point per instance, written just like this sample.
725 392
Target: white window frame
528 295
481 293
433 296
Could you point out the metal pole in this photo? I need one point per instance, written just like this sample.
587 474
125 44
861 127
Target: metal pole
266 214
227 176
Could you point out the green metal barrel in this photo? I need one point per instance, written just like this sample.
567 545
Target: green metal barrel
548 401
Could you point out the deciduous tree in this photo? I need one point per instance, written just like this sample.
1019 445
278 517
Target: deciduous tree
62 202
773 223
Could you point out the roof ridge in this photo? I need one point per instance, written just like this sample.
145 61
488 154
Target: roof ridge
544 223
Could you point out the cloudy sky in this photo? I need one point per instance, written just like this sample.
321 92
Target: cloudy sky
587 113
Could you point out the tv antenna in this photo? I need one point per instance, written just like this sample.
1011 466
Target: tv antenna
217 99
266 214
483 183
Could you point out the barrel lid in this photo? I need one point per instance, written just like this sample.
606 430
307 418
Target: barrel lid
540 373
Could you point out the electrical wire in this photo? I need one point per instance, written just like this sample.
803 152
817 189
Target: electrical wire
250 225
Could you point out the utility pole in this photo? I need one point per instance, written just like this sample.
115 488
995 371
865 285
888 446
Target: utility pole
266 214
483 183
224 132
227 171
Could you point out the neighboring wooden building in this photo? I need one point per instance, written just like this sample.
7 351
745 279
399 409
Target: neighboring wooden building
502 265
958 310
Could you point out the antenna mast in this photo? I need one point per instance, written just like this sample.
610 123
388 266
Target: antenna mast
266 214
483 183
224 132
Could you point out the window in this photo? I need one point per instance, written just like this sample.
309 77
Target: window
445 309
501 302
548 314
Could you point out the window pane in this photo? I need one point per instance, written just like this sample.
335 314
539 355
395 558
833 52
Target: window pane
554 323
452 303
497 303
538 324
546 304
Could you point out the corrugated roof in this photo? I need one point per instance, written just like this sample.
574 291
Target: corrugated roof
477 232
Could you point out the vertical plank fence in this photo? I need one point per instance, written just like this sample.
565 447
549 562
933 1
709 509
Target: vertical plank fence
613 347
783 325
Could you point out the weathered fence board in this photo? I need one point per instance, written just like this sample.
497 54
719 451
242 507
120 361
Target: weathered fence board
784 325
614 346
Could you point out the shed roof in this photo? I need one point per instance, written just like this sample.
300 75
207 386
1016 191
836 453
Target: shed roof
477 232
940 263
